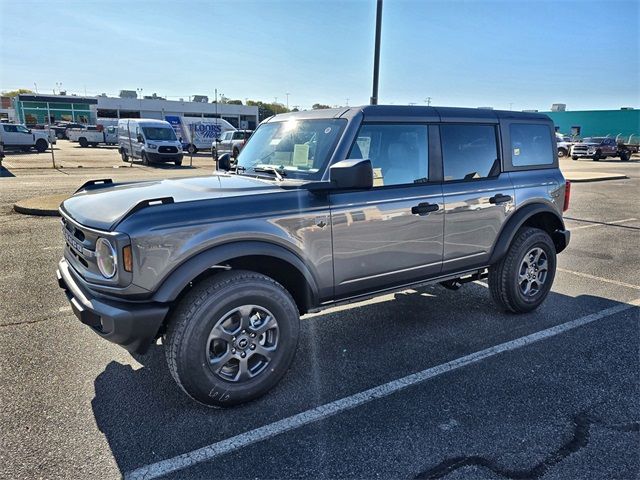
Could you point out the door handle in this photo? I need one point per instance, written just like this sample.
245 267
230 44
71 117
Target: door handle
500 198
424 208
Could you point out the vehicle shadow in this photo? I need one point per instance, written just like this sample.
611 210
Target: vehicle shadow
146 418
5 173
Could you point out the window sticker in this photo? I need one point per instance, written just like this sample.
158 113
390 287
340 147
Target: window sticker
301 155
327 130
378 179
516 151
364 143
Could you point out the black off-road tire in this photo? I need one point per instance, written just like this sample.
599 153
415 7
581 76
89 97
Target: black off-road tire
562 152
503 276
574 157
83 142
123 155
597 156
186 339
144 158
41 145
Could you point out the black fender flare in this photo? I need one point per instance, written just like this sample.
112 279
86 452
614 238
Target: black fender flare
560 236
198 264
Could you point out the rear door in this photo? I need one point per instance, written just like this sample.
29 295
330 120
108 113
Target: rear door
392 234
478 197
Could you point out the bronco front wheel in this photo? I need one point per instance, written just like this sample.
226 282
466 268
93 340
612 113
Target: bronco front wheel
232 338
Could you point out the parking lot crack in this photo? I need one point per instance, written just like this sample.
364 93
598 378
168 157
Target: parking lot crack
582 424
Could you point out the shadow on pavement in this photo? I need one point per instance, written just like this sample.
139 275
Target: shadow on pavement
4 172
146 418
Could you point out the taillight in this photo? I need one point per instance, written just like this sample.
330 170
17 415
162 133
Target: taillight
567 195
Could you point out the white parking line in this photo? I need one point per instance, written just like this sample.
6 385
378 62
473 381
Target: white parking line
604 224
265 432
600 279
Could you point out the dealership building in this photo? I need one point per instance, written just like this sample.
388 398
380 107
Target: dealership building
598 123
32 109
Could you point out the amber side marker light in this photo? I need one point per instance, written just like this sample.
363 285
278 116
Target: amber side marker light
127 259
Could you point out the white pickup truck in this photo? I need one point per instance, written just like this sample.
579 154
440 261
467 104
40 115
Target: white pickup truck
93 136
19 137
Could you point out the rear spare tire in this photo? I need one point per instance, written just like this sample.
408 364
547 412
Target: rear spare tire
232 338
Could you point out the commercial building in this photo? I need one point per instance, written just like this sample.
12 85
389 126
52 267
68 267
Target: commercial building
598 123
32 109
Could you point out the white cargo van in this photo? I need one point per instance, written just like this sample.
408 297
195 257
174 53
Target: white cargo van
149 140
198 133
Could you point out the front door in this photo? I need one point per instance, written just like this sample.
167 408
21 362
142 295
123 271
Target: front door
392 234
477 196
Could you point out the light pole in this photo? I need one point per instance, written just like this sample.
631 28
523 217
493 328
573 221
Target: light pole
376 55
428 101
139 92
287 94
347 101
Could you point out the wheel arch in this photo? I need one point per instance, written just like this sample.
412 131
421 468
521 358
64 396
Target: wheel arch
272 260
538 215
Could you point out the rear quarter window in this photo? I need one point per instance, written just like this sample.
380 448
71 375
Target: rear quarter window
530 145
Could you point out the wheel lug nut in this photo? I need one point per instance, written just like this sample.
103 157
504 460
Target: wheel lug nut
233 338
244 331
243 354
252 335
253 346
233 350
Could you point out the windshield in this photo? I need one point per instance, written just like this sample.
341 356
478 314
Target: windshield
159 133
299 148
593 140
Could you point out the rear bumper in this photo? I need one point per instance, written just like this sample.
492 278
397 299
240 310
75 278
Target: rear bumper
132 325
561 239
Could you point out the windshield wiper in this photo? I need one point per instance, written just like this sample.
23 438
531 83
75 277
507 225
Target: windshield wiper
269 169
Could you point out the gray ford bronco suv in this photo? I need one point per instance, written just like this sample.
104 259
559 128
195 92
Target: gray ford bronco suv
323 207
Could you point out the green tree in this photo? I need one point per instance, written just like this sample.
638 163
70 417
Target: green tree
319 106
14 93
234 102
266 110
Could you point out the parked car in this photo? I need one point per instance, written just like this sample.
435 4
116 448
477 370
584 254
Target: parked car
564 143
19 137
327 207
149 140
230 142
596 148
93 135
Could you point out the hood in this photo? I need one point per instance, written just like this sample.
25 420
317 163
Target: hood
103 207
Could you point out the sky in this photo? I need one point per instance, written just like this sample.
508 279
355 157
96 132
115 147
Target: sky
516 55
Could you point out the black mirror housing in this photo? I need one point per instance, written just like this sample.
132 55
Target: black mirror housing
140 139
224 162
354 174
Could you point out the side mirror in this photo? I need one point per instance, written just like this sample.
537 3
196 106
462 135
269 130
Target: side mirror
140 139
352 174
224 162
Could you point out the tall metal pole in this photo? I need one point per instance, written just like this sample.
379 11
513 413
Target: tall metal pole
376 57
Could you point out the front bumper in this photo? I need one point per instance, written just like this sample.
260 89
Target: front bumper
132 325
164 157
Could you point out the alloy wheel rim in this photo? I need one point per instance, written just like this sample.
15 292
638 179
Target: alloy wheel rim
533 272
242 343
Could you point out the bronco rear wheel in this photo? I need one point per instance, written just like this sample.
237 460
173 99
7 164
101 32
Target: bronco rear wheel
232 338
522 279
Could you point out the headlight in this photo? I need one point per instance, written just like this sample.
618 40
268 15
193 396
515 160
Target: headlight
151 145
106 258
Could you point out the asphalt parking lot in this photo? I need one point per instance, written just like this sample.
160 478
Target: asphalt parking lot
452 388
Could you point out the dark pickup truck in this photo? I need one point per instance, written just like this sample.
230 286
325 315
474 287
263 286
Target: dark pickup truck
322 208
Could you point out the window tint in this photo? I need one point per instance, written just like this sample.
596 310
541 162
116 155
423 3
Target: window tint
10 128
530 145
238 136
469 152
398 153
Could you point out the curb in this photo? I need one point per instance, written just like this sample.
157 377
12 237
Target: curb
40 206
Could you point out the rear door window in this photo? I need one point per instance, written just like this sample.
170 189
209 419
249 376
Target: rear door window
469 152
530 145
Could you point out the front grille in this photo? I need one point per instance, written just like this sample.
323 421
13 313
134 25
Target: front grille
167 149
